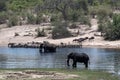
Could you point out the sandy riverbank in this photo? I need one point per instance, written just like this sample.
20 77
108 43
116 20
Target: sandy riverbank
97 42
27 34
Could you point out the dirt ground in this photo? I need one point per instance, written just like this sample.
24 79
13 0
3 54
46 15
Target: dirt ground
33 74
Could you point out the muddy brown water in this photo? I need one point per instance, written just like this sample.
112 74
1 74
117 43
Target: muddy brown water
100 58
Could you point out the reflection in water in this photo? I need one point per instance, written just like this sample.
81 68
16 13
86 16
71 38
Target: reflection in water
3 57
100 59
117 63
3 60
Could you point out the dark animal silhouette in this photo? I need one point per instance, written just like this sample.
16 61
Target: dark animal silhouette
11 44
75 40
78 57
80 39
91 38
47 48
83 39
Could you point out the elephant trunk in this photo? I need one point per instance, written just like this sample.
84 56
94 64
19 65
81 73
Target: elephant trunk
68 61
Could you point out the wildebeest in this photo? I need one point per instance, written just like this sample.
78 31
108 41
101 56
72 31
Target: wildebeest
78 57
91 38
80 39
75 40
11 44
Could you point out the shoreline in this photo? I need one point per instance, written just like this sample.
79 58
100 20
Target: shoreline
84 46
27 34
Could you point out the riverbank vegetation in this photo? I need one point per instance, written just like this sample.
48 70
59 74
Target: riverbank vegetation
16 12
56 74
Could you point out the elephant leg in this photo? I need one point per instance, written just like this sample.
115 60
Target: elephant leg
40 50
86 64
74 64
45 49
68 61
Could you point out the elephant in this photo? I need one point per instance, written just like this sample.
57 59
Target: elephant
78 57
47 48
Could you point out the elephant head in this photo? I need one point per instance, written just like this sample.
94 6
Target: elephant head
70 56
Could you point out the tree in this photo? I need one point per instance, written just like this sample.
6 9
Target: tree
19 5
59 5
65 6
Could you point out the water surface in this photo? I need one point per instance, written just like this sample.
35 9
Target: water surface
100 59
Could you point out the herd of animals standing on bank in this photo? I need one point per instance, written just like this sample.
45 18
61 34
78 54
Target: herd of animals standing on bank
46 43
47 47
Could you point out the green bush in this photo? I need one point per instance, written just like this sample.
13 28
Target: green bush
73 26
13 21
92 12
55 18
31 19
3 17
60 31
74 15
102 15
38 18
101 27
85 20
113 29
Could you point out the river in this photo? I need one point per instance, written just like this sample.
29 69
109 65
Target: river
100 58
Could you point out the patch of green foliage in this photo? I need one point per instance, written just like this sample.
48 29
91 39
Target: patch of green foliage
112 31
60 30
3 5
12 21
40 33
31 19
19 5
3 17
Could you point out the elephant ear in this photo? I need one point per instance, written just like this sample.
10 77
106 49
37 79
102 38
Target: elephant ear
71 55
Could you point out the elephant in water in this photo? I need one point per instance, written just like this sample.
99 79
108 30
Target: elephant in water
78 57
47 48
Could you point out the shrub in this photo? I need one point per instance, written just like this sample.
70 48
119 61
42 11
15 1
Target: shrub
73 26
113 29
74 15
31 19
60 30
3 17
55 17
102 15
101 27
40 33
13 21
38 18
85 20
